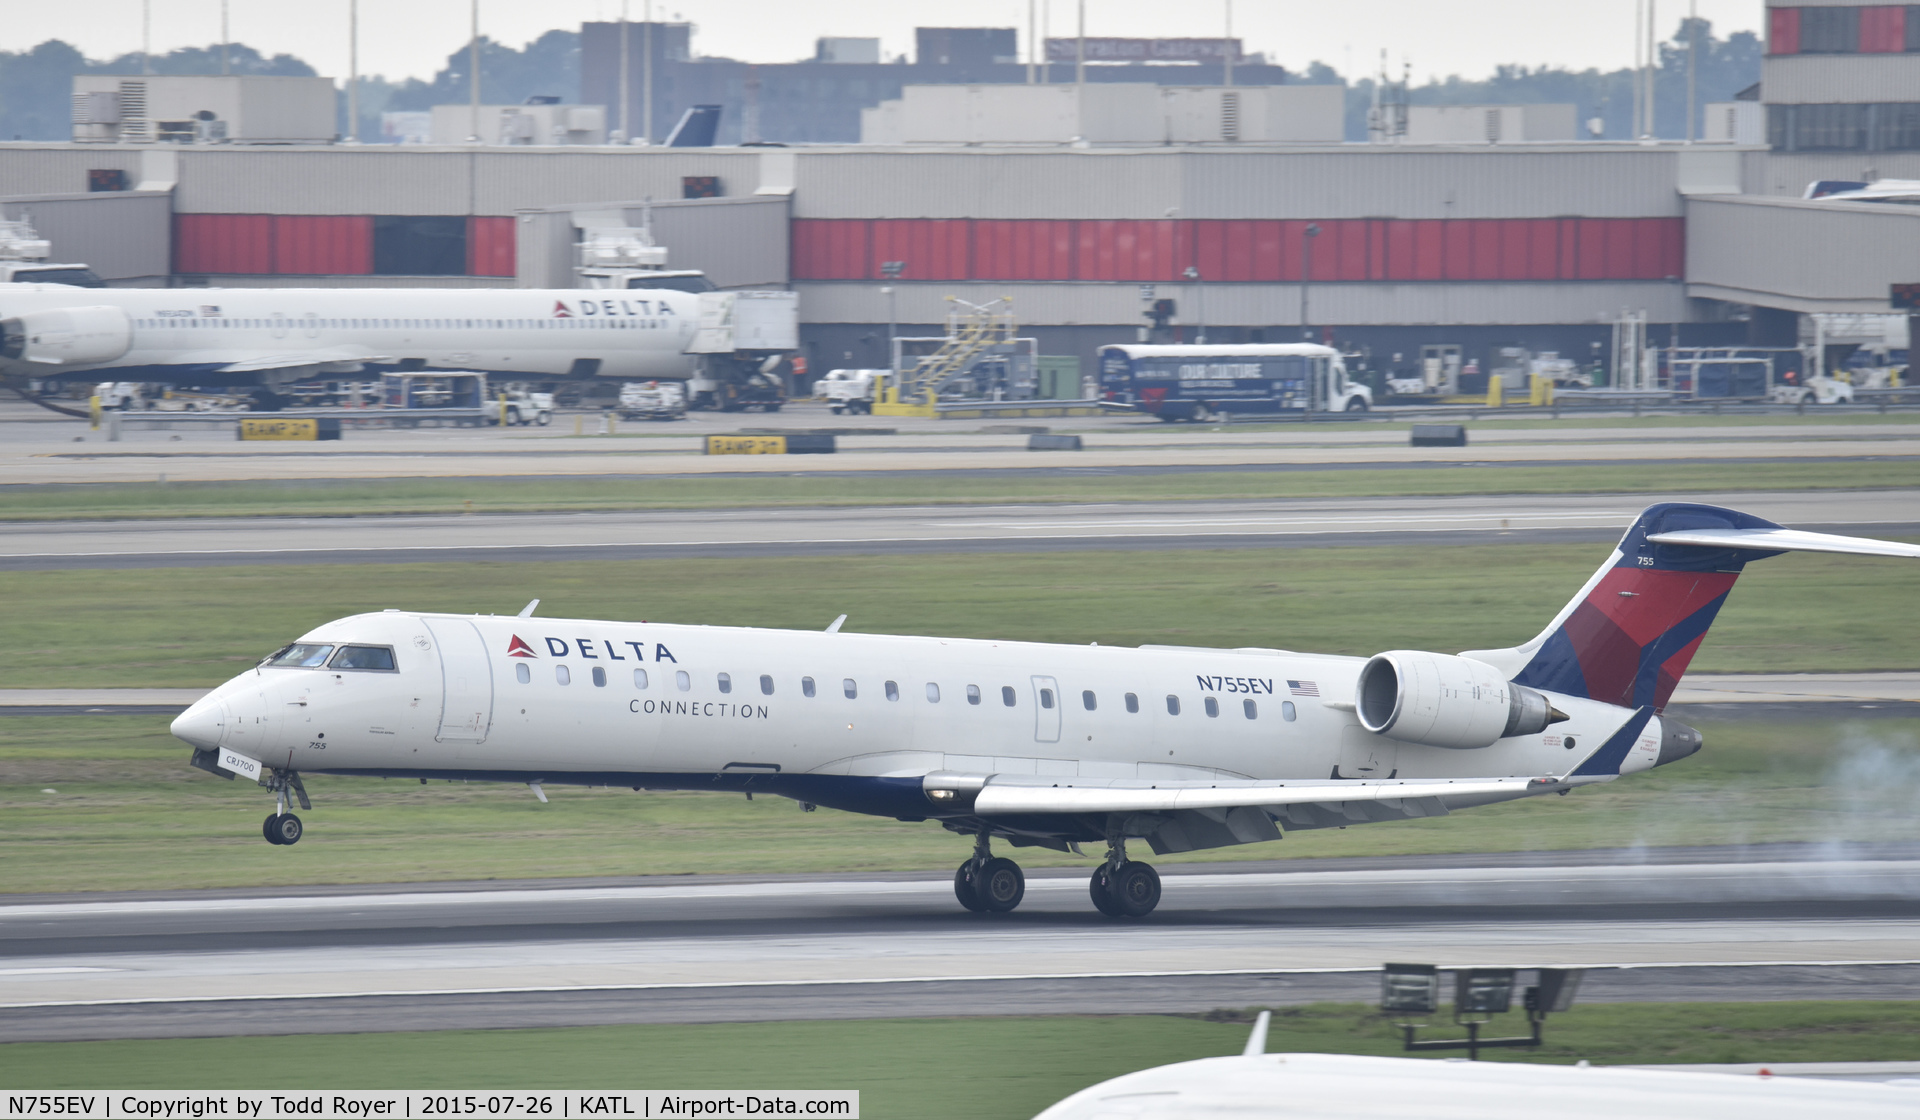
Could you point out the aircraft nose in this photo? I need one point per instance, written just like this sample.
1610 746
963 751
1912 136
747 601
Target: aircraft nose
202 725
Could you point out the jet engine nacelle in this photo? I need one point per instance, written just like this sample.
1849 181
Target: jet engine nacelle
1442 701
66 336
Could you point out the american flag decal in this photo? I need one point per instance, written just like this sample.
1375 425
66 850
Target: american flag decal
1303 688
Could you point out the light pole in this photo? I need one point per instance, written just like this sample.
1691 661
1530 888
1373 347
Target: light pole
1306 276
1192 275
892 270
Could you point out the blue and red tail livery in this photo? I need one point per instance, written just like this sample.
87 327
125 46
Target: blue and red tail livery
1628 636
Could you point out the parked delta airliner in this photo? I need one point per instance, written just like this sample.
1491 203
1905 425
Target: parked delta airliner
276 336
1042 745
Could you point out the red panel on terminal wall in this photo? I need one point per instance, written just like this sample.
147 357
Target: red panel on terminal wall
1210 249
1266 250
1783 31
1883 30
223 243
1400 253
1456 249
1590 243
1543 248
1346 257
1376 249
490 242
831 249
326 245
1429 250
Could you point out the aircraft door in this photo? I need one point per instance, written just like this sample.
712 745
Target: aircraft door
279 325
466 706
1046 710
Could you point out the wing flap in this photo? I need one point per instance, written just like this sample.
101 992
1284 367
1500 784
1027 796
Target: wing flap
1785 540
1002 799
259 362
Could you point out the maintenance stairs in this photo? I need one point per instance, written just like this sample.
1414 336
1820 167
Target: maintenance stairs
975 332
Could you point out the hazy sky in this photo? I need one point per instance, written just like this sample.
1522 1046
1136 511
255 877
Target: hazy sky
401 38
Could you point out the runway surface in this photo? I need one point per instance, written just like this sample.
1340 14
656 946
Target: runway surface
1707 926
1599 518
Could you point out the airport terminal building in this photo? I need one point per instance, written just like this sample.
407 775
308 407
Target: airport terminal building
1383 246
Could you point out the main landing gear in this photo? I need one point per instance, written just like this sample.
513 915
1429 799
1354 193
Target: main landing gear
1122 888
283 827
987 883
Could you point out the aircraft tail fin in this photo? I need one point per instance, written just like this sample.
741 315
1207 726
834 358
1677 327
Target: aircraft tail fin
1630 633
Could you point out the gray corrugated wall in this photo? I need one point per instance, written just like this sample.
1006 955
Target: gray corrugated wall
123 235
1801 255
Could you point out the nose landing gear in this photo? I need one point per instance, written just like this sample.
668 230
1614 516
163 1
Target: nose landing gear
986 883
1122 888
283 827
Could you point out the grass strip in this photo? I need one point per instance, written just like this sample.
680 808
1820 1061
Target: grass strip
977 1069
174 627
362 497
97 803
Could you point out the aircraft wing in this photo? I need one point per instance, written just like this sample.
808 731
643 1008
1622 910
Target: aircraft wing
1000 797
245 361
1785 540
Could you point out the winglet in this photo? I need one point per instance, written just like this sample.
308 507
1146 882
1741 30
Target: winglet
1785 540
834 626
527 611
1257 1041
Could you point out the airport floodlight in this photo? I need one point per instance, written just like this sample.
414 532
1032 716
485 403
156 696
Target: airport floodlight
1409 989
1482 991
1555 991
892 269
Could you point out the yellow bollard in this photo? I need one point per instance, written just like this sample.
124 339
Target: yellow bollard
503 410
93 411
579 424
1494 398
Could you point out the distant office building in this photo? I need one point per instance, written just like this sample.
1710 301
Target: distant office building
1107 113
1842 76
182 109
820 100
846 50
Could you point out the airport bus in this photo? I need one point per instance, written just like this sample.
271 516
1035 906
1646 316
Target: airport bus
1199 382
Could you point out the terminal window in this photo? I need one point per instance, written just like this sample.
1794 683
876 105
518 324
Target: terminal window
420 245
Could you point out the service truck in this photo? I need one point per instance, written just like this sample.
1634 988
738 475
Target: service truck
850 391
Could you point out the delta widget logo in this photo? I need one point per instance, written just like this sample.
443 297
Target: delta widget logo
518 648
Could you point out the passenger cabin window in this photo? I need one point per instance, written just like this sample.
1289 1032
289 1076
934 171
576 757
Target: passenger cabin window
933 693
806 686
973 694
1046 698
599 676
1006 695
366 659
682 681
561 674
522 672
1173 705
1250 708
1286 710
852 690
726 683
1133 703
1213 708
301 655
766 685
893 691
640 678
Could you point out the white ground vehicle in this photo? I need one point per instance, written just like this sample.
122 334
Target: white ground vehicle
525 408
1201 382
122 395
23 260
653 400
850 391
1819 389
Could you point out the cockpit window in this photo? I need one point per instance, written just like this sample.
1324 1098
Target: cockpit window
301 655
375 658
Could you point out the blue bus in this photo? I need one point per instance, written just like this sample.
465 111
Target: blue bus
1198 382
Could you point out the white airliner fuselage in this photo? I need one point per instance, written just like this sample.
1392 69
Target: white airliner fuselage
269 335
1039 744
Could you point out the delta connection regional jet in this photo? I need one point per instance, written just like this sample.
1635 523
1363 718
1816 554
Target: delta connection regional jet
1042 745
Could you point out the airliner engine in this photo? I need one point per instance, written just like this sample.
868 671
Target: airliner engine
1443 701
66 336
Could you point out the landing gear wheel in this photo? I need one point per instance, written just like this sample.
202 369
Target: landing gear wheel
270 827
1101 888
966 889
1001 885
285 829
1136 890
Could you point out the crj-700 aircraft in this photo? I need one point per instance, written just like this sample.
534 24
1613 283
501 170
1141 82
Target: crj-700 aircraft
1048 745
270 337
